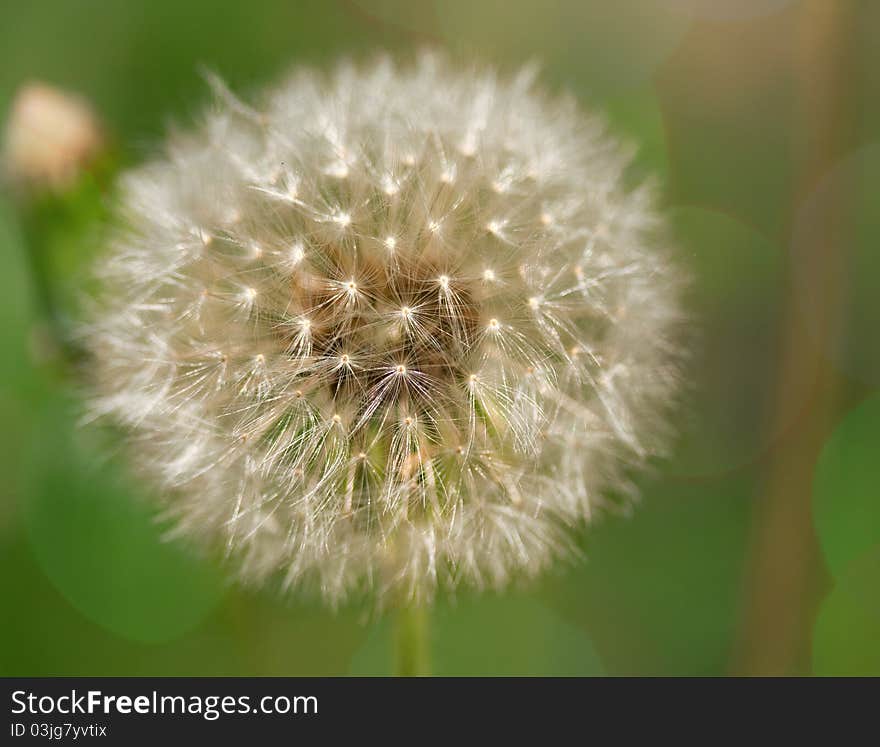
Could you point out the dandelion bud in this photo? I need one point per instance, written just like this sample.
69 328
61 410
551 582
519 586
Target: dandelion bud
390 329
50 136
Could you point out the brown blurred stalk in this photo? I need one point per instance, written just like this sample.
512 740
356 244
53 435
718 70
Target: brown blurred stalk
782 571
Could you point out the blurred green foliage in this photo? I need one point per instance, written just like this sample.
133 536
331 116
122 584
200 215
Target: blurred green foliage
845 639
89 585
91 531
846 492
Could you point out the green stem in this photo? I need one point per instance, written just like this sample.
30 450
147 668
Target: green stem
49 309
412 642
58 230
44 295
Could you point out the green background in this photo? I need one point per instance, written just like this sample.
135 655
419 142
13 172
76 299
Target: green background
756 547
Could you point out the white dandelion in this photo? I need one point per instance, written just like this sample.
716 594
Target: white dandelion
392 329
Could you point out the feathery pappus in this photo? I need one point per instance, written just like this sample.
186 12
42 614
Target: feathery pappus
391 328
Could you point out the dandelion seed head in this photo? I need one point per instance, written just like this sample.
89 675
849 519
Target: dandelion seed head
393 371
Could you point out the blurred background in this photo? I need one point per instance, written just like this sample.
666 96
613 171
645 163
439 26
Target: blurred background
755 549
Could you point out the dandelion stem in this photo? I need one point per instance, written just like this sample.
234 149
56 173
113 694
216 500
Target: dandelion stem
411 642
37 222
58 228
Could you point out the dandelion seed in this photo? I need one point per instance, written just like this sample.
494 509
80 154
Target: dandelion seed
338 170
297 254
389 185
